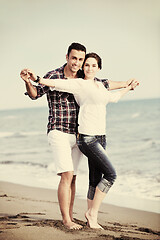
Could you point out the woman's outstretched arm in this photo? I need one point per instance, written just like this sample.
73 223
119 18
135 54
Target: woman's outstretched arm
115 96
64 85
119 84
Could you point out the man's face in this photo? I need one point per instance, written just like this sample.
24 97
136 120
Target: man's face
75 60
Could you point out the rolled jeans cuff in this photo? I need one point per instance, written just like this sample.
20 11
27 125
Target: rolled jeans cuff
91 192
104 185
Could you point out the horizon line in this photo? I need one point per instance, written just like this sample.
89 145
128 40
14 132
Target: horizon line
43 106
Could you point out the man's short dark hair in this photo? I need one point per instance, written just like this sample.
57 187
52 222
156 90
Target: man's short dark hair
76 46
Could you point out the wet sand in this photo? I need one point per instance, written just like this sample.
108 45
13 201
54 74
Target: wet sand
28 213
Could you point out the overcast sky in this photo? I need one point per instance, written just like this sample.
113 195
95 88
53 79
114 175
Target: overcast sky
37 33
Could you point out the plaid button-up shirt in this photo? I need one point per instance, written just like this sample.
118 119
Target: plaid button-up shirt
63 109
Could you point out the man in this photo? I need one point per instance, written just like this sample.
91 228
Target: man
62 125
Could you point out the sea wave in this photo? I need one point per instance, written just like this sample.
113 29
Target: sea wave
9 162
16 153
149 143
20 134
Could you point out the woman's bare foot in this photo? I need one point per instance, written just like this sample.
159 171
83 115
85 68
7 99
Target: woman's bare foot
92 220
72 225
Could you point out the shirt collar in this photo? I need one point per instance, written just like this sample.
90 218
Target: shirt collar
79 73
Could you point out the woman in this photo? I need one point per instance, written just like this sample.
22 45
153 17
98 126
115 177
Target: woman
92 97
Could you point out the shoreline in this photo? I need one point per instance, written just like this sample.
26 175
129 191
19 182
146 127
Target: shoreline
29 213
113 198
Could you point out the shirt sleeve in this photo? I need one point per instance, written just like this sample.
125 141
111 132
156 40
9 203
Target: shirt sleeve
68 85
114 96
105 82
41 90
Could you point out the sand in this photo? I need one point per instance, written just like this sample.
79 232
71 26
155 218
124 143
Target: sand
28 213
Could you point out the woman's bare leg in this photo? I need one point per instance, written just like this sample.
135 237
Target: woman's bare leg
89 203
92 213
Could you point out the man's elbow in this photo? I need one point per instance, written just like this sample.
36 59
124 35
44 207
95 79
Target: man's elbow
32 96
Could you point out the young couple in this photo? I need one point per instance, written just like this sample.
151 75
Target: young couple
77 104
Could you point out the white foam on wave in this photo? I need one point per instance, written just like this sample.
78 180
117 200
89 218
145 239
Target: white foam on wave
140 186
135 115
10 117
5 134
133 202
33 133
30 175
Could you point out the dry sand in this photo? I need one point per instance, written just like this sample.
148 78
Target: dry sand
28 213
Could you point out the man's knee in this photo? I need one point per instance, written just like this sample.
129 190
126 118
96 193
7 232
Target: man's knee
67 177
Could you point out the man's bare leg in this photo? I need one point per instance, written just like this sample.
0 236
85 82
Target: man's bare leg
64 198
73 191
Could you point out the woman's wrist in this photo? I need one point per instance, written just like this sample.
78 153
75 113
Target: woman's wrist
128 87
38 79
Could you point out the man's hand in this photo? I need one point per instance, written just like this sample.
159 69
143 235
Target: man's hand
27 74
32 75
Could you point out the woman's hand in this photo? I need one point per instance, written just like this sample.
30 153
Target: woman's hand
27 74
24 75
133 84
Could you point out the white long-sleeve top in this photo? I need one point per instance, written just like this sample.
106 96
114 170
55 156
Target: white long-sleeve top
92 97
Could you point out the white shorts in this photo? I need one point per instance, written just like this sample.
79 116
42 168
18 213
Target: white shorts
66 153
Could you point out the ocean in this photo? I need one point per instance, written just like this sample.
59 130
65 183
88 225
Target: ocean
133 147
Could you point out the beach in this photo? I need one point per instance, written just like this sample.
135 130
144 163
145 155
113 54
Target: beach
133 147
132 206
30 213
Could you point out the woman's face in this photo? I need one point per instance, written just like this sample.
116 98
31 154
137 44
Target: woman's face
90 68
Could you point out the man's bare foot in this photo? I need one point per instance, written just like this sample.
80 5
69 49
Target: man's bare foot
92 221
72 225
71 217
